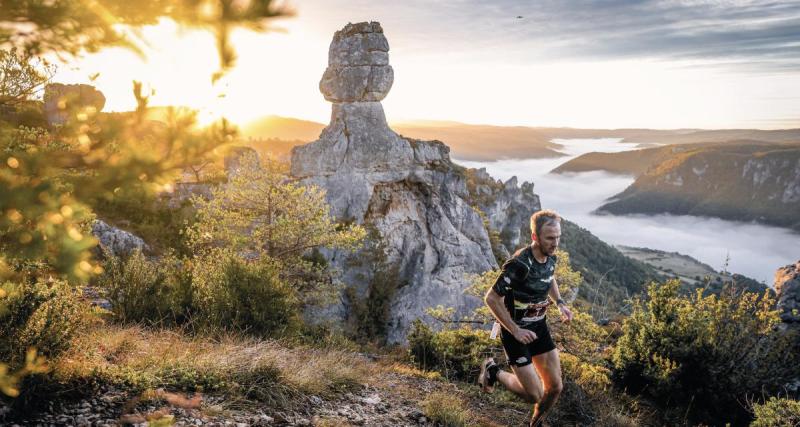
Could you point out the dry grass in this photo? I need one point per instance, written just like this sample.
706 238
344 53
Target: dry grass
241 367
446 409
412 371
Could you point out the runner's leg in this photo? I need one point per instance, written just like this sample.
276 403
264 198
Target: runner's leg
523 381
548 367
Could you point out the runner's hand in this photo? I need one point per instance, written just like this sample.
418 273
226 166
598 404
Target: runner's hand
525 336
566 314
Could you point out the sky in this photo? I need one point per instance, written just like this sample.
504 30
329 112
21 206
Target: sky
590 64
754 250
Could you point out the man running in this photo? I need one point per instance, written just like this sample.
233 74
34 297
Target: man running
519 299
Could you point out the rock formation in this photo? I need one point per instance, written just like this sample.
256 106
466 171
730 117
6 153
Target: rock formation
787 286
408 190
118 242
61 99
508 207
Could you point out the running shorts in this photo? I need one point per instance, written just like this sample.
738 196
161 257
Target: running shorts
520 354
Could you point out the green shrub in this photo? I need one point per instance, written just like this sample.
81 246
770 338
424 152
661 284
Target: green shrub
230 292
368 314
148 217
155 292
456 353
704 354
45 315
777 413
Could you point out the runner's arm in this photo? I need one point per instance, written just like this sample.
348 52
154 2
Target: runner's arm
498 308
555 295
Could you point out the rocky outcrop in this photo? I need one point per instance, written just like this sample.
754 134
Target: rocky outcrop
118 242
508 207
787 286
60 100
408 190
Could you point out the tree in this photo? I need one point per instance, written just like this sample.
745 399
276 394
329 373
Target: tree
50 178
69 27
262 215
21 77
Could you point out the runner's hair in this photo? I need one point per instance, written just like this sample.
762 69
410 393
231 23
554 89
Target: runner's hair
542 218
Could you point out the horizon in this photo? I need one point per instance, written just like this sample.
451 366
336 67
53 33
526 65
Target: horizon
479 64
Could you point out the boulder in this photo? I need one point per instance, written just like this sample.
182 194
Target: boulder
118 242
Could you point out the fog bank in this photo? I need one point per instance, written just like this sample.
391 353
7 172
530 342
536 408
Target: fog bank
754 250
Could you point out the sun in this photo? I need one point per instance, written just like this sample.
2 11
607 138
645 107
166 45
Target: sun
176 68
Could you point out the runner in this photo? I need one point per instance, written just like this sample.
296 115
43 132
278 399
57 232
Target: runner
519 300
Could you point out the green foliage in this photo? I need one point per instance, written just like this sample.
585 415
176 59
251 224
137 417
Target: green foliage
230 292
777 412
369 313
51 176
263 215
21 77
456 353
45 315
149 217
704 354
157 292
9 381
69 27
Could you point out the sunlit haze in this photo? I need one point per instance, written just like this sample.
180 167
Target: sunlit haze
505 64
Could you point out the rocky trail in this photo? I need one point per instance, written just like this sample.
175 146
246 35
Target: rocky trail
391 399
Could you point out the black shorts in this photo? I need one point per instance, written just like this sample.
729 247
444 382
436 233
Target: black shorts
520 354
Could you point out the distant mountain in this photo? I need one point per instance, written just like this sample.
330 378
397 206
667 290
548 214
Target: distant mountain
285 128
743 181
488 143
483 142
675 136
466 142
611 275
692 273
636 162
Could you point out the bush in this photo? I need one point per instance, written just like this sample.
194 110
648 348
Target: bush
368 314
704 354
41 315
230 292
149 217
155 292
777 413
456 353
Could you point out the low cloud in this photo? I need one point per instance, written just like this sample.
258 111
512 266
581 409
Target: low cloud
754 250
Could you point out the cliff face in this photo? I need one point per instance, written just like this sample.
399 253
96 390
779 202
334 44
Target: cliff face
746 182
787 286
507 208
407 189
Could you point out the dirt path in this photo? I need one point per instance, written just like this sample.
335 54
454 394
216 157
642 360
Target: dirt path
389 399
